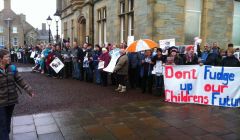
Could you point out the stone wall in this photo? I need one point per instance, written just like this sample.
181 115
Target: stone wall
219 22
168 22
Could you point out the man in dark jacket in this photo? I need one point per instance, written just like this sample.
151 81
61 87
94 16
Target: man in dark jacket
75 54
67 60
134 59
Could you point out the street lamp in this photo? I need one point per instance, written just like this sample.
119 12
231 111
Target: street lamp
57 18
49 21
8 22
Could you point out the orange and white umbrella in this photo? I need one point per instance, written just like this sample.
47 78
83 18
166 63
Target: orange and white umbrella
141 45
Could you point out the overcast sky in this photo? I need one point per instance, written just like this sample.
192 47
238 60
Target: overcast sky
36 11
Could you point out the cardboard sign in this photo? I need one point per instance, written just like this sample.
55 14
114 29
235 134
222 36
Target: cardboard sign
158 68
207 85
57 65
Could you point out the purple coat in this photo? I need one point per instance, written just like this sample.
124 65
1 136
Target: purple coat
106 58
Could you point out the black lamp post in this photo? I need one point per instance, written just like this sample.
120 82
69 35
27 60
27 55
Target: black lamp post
8 22
57 18
49 21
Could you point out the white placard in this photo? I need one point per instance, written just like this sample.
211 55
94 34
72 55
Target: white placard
130 40
57 65
115 54
158 68
101 65
166 43
19 55
33 54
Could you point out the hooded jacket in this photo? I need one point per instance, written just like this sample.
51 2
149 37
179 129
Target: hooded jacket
9 80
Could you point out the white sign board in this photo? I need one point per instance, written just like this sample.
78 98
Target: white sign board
101 65
57 65
167 43
115 54
33 54
19 55
130 40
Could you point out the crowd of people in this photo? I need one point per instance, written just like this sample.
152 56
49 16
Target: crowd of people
132 69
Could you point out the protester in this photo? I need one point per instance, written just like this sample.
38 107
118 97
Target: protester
67 60
105 57
10 79
190 58
146 72
230 60
205 53
75 54
88 63
134 59
174 58
121 69
159 58
97 52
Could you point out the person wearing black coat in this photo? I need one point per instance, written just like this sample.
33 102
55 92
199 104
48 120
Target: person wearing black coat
230 60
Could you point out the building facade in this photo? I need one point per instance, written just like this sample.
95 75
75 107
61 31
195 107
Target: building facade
14 30
112 21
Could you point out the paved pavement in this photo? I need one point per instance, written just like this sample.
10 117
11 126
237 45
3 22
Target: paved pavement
147 120
136 120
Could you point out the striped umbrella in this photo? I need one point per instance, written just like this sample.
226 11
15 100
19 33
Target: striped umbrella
141 45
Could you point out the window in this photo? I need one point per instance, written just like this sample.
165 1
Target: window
130 18
15 30
236 24
1 41
192 20
15 41
72 30
65 30
126 19
122 7
1 29
102 25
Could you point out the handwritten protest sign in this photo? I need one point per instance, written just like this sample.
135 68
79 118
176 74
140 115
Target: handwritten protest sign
57 65
167 43
208 85
115 54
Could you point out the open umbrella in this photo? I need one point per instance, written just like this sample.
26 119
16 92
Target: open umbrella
141 45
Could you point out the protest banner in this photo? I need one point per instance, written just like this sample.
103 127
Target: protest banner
57 65
115 54
207 85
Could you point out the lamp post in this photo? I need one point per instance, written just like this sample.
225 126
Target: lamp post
57 18
8 22
49 21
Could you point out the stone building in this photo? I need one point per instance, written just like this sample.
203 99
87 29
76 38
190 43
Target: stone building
21 32
112 21
43 35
